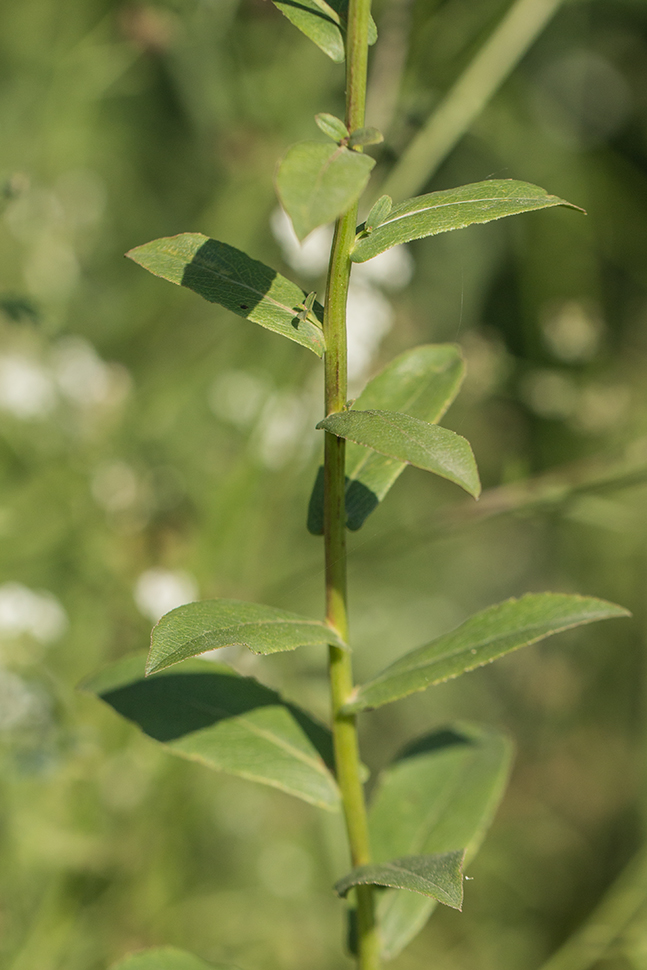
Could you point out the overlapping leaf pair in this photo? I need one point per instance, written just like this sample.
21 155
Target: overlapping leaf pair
436 800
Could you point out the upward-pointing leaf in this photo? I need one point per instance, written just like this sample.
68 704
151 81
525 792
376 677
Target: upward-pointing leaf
439 795
408 439
421 382
323 22
166 958
221 274
207 712
197 627
484 637
318 182
427 215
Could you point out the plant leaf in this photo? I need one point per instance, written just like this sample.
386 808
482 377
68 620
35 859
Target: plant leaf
207 712
438 876
409 439
482 638
318 182
196 627
323 28
378 213
221 274
324 23
366 136
332 126
166 958
440 794
421 382
427 215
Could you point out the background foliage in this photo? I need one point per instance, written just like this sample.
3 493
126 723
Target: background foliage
155 448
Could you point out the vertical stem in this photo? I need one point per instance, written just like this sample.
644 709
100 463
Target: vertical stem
347 758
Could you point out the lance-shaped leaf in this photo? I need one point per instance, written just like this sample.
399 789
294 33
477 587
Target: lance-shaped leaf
221 274
427 215
166 958
437 876
318 182
197 627
208 713
411 440
324 23
421 382
439 795
479 640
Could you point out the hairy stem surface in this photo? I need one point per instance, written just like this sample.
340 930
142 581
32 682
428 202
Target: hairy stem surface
347 758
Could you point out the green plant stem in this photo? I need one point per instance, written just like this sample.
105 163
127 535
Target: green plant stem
608 920
345 738
464 102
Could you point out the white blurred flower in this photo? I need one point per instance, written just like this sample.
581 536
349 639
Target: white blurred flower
52 269
236 396
25 611
601 407
80 373
572 331
550 393
26 388
310 258
370 317
281 428
392 269
115 486
157 591
82 194
20 705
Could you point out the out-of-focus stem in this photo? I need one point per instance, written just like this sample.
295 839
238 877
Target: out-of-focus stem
466 99
608 920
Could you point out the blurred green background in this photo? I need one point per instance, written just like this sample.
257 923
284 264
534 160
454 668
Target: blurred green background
155 448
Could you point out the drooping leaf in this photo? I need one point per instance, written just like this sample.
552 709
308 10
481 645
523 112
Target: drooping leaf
437 876
221 274
421 382
479 640
427 215
324 23
318 182
208 713
192 629
411 440
439 795
378 213
166 958
332 126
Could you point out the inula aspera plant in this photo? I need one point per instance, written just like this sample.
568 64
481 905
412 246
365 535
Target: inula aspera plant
431 808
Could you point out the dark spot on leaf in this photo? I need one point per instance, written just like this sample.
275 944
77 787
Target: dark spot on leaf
243 306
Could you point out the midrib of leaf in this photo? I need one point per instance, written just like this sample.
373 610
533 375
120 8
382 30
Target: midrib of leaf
253 729
405 434
410 872
445 205
326 14
328 11
209 268
482 643
324 168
